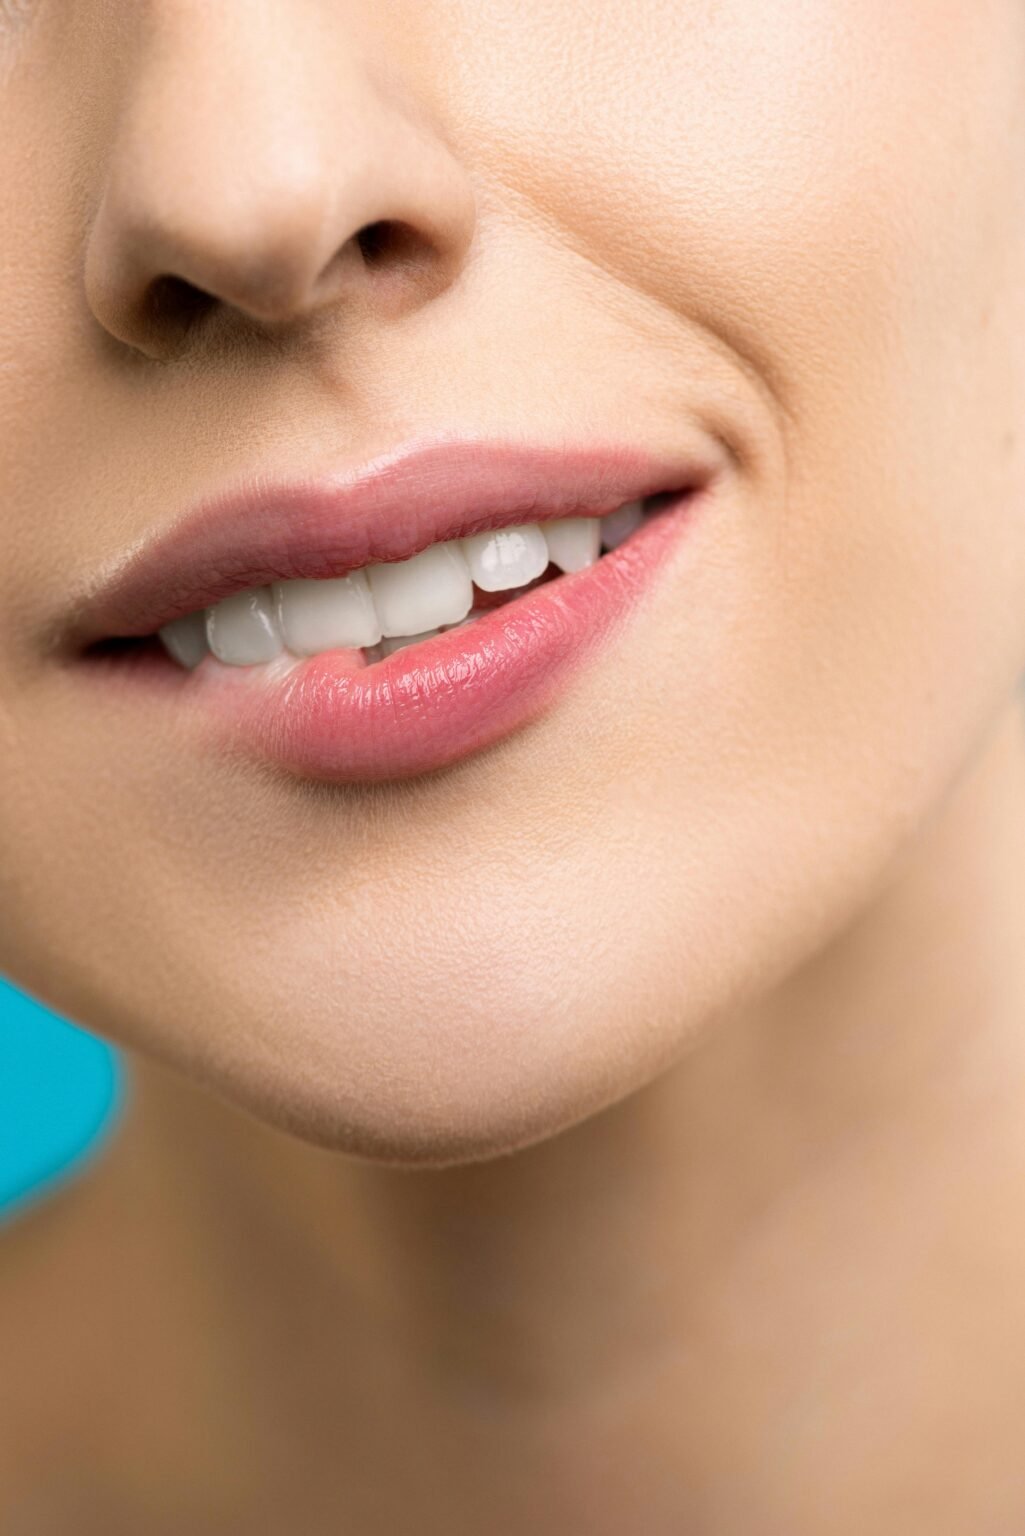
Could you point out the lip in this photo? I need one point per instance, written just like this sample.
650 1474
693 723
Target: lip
425 707
388 509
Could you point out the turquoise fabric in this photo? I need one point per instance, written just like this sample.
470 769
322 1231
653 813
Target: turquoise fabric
60 1093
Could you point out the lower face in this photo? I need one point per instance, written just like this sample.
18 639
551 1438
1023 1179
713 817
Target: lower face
789 236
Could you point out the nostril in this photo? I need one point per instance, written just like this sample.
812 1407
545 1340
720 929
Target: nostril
166 310
174 304
375 241
389 242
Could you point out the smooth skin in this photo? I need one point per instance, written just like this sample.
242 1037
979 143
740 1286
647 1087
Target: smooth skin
621 1131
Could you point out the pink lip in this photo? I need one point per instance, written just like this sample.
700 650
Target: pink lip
332 717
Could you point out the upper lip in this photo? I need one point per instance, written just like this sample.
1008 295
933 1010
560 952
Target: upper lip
388 509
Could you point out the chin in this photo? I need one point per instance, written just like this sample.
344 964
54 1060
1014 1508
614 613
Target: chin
464 1121
422 1091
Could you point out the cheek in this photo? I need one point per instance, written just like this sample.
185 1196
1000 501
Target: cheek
828 200
830 196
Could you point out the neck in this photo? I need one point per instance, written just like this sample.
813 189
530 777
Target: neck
678 1245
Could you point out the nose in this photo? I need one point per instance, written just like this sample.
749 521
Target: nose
260 165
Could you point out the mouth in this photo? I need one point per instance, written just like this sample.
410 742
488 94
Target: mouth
323 627
380 609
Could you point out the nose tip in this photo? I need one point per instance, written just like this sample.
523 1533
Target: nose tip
269 201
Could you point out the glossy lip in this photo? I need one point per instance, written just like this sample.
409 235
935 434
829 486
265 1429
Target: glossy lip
386 510
427 706
333 717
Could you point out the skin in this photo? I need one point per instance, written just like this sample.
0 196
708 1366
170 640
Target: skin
726 950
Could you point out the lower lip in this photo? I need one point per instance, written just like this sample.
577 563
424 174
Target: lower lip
428 706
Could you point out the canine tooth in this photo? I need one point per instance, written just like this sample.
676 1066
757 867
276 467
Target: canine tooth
319 616
398 642
503 558
573 542
185 639
242 629
431 589
619 525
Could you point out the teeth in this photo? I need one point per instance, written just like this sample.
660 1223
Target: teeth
185 639
431 589
385 607
324 615
399 642
506 557
474 613
573 542
619 525
242 629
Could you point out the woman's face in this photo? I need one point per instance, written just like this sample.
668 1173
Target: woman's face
783 240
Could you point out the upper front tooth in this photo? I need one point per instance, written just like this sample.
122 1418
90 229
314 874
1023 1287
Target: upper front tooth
242 629
324 615
573 542
619 525
503 558
431 589
185 638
